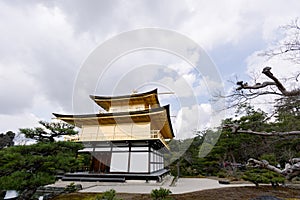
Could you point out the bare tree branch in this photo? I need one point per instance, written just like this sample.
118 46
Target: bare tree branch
263 164
236 129
282 89
270 133
290 171
245 92
292 168
289 47
267 71
254 87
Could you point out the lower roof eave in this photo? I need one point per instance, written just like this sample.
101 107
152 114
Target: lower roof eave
91 145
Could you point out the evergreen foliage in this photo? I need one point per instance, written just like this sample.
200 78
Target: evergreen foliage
160 194
25 168
49 131
230 154
35 165
7 139
257 176
108 195
72 187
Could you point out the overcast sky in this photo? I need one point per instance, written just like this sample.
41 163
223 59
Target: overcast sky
44 45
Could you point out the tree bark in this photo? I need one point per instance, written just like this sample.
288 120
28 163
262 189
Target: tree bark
289 172
281 88
263 164
270 133
267 71
236 129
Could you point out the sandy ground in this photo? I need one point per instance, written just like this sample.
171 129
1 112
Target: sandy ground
183 185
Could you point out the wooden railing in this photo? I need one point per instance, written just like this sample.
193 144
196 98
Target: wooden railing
157 134
154 134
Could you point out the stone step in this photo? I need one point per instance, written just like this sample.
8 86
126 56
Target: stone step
92 179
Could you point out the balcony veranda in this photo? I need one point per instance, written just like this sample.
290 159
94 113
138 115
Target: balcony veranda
82 137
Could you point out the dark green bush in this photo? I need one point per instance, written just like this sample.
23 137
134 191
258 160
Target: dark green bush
72 187
257 176
160 194
107 195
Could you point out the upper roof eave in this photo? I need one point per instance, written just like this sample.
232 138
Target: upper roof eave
109 98
111 114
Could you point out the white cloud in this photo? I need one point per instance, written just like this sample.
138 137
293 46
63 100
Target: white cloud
182 68
40 55
217 23
17 87
16 121
44 43
189 119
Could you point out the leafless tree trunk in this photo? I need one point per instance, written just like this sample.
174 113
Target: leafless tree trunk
275 82
291 170
237 129
245 91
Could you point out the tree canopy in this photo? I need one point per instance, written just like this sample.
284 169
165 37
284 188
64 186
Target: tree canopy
7 139
232 152
26 167
49 131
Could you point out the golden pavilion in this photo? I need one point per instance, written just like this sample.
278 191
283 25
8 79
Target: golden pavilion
127 139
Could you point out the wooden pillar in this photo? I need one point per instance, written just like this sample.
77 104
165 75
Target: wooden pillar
129 156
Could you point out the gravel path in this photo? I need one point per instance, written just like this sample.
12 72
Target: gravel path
183 185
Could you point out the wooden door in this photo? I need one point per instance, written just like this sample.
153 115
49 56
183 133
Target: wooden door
101 162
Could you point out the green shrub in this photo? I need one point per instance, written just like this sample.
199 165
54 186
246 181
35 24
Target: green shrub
98 197
71 187
222 174
160 194
271 158
257 176
107 195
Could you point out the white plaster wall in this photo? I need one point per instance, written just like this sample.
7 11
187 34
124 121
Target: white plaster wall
119 162
139 162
